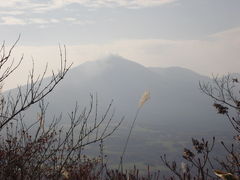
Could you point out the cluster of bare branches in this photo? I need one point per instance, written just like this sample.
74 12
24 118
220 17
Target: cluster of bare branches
33 92
225 92
8 65
133 174
51 152
40 151
199 164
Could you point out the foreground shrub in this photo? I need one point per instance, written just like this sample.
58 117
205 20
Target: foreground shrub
199 165
40 151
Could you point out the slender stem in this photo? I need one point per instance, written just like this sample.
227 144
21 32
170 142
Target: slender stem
129 134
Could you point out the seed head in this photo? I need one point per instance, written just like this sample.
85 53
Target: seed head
145 97
225 175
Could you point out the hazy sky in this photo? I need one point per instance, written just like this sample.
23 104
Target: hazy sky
202 35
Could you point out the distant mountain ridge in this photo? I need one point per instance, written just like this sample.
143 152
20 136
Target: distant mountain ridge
177 73
176 111
175 95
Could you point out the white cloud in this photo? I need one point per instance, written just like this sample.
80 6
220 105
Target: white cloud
54 4
38 21
11 12
14 8
12 3
121 3
48 5
70 19
54 20
219 54
145 3
8 20
232 34
84 22
42 22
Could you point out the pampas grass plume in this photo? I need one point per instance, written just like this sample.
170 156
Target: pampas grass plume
145 97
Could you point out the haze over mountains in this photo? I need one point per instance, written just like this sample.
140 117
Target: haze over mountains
175 94
176 99
177 110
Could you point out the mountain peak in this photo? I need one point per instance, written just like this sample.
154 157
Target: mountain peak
117 60
113 57
110 64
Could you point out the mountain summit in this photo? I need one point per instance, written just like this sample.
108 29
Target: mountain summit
176 111
175 95
176 100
